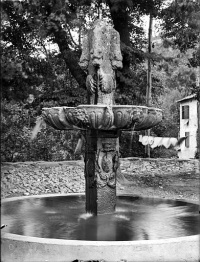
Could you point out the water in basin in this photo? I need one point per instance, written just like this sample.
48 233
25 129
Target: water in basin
135 218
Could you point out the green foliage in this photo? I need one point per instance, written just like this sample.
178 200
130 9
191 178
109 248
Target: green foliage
181 29
40 57
162 152
130 145
16 128
174 69
45 78
28 26
177 79
181 23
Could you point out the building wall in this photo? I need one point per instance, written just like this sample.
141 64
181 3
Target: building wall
189 125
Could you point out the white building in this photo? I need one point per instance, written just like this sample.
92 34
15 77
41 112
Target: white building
188 126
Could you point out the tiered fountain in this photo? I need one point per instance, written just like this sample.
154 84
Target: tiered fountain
108 217
102 119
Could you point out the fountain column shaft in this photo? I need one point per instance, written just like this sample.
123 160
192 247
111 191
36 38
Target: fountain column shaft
101 166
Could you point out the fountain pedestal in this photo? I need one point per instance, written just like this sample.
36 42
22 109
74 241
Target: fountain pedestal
102 120
101 165
101 56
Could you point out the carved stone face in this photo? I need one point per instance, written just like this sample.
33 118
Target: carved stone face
108 145
101 56
100 44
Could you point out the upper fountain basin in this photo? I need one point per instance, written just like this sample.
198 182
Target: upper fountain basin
102 117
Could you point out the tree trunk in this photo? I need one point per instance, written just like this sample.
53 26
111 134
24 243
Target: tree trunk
148 90
70 58
198 131
120 20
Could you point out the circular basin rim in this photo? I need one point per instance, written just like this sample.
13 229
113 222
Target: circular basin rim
113 106
17 237
10 199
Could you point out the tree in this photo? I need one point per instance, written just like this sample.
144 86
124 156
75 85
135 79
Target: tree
55 78
181 29
181 24
28 25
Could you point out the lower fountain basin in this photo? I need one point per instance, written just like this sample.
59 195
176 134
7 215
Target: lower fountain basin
56 228
103 117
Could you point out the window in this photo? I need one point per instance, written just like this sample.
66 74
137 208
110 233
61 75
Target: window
187 141
185 112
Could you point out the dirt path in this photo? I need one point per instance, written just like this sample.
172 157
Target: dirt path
177 186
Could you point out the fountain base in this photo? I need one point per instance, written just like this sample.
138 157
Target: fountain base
174 241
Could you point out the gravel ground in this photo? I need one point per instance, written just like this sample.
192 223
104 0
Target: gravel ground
23 179
32 179
173 186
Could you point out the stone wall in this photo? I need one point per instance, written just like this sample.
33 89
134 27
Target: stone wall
142 166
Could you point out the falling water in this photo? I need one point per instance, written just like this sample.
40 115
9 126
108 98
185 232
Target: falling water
131 140
39 124
79 145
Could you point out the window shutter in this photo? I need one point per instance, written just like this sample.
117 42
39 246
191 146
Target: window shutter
185 112
187 141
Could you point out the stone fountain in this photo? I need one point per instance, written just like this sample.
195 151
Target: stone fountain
93 235
101 120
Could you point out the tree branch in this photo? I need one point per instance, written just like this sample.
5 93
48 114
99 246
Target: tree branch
68 29
69 57
120 20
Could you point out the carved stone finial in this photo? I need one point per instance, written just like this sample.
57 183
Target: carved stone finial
101 56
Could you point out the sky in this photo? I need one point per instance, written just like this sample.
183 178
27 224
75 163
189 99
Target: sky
155 26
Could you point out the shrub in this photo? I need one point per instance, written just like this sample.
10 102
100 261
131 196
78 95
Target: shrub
162 152
49 145
130 145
